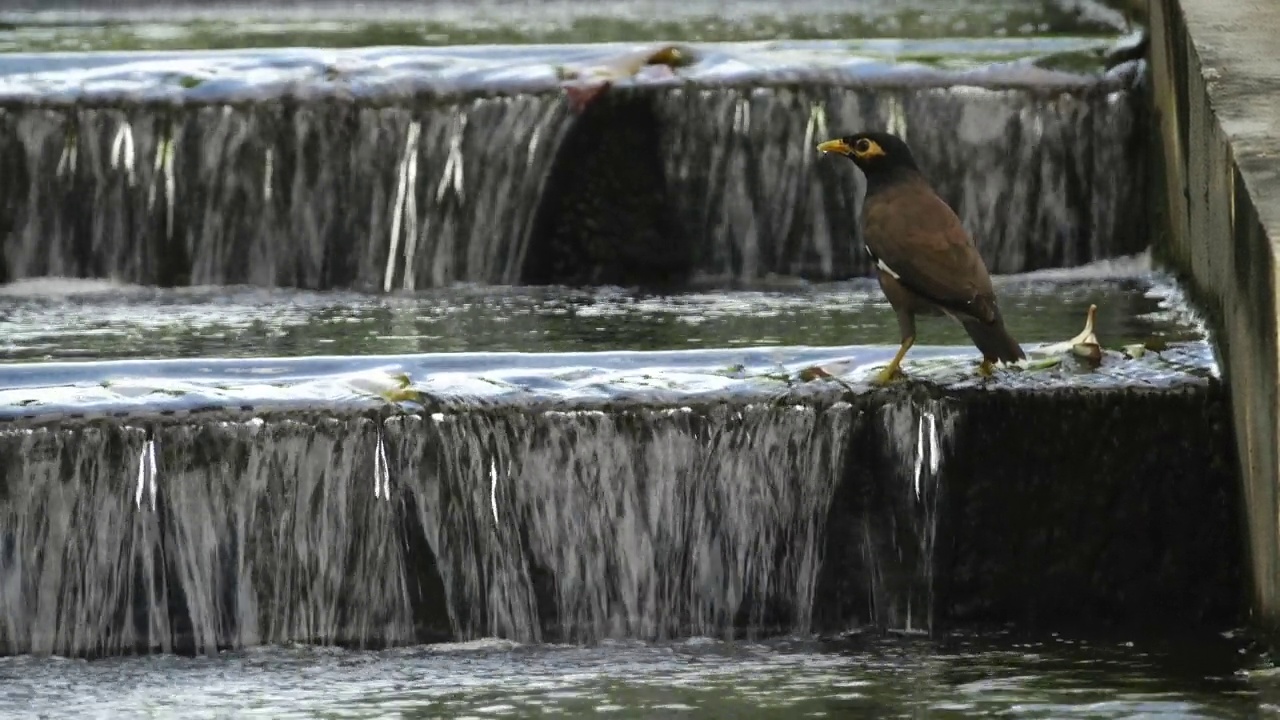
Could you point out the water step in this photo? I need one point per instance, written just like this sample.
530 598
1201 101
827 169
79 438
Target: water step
408 168
906 509
195 503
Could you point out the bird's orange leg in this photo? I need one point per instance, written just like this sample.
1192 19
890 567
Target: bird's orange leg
892 370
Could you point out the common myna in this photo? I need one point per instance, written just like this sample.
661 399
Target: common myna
924 259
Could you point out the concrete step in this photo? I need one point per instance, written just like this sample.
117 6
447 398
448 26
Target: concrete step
192 504
407 168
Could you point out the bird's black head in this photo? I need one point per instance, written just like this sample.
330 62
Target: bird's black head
875 153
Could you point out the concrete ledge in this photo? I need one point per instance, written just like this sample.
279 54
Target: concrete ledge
1216 85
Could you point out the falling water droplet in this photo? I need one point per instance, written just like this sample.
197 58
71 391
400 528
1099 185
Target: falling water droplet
151 467
122 150
268 175
493 489
935 455
142 477
920 451
170 185
146 474
407 174
381 470
451 177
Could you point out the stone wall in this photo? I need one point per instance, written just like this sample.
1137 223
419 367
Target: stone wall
1216 84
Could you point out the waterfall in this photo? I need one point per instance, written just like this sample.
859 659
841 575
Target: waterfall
649 183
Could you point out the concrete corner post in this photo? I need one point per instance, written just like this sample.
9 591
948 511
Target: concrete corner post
1216 88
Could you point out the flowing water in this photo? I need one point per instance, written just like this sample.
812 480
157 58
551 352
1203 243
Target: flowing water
395 164
652 522
958 676
653 562
55 320
281 538
195 348
197 171
54 25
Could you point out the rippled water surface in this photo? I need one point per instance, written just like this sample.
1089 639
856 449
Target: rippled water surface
961 676
51 320
204 348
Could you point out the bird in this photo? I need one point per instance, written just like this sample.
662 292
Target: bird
925 261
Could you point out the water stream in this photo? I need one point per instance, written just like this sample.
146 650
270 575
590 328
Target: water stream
76 25
960 676
401 168
215 475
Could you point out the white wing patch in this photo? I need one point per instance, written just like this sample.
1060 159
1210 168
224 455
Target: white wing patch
880 264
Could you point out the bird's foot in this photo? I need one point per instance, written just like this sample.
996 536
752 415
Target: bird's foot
986 368
889 374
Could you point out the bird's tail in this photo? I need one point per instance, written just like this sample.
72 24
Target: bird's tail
993 340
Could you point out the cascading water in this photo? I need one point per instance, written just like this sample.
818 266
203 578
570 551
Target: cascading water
817 512
260 534
1038 181
560 496
277 194
427 191
898 542
578 526
656 523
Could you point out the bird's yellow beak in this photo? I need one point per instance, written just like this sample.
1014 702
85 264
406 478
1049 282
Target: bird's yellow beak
835 146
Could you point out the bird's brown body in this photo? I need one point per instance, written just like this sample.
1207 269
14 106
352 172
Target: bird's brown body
925 261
